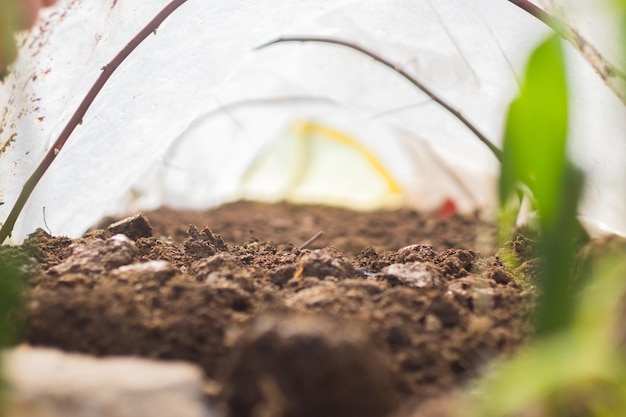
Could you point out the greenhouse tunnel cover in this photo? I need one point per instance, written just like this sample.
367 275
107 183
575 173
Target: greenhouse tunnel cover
197 116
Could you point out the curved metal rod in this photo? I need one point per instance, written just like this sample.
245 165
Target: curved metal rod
396 68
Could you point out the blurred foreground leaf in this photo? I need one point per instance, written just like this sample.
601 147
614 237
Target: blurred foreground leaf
579 371
575 367
535 154
535 136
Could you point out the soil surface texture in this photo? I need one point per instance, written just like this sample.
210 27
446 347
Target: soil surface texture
382 310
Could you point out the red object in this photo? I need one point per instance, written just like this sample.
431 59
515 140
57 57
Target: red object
447 208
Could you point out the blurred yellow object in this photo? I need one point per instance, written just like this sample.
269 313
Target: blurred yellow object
314 163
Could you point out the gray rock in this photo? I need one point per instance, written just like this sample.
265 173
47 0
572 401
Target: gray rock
50 383
413 274
97 256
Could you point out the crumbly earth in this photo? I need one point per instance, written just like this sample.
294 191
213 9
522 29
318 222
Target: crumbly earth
383 310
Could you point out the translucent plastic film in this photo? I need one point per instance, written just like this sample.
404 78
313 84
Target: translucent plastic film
197 116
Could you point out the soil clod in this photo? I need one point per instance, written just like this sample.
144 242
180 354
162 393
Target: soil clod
307 366
133 227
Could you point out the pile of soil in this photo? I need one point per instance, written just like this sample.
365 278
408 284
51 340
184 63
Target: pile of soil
384 309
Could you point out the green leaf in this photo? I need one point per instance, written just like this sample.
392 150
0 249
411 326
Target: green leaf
535 135
535 153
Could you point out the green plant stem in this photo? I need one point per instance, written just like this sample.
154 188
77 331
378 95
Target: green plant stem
558 248
80 112
396 68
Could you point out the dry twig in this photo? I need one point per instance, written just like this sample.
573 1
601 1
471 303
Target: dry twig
311 240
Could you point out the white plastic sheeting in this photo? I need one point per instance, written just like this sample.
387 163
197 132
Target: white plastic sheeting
184 119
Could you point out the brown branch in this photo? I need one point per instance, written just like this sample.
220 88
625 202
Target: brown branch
537 12
614 77
396 68
77 117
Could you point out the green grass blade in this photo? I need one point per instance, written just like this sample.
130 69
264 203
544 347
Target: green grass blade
535 153
535 136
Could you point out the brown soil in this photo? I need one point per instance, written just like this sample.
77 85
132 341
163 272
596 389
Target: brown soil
384 309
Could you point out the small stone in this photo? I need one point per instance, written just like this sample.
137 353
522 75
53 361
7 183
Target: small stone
413 274
159 270
134 227
97 256
324 263
51 383
464 287
413 253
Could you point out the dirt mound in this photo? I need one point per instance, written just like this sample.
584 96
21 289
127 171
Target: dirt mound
279 326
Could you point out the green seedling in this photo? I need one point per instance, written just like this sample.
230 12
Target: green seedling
575 368
535 154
